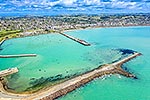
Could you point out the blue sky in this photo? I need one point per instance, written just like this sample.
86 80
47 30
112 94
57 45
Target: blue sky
74 6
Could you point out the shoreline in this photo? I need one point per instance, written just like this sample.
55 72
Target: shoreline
43 89
106 27
70 30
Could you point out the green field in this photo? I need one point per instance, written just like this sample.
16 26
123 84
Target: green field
9 34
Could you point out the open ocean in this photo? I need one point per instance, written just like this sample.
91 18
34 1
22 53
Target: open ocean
59 58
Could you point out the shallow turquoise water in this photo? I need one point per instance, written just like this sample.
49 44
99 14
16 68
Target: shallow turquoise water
59 57
115 88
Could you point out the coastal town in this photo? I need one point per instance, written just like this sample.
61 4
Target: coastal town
12 27
74 50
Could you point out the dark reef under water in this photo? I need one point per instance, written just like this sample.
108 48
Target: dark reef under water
42 81
126 51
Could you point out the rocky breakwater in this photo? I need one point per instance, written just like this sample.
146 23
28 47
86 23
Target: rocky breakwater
68 86
76 82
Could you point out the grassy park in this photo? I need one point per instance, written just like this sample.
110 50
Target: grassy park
9 34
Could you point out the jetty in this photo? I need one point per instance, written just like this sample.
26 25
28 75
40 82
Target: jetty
74 83
76 39
8 71
16 56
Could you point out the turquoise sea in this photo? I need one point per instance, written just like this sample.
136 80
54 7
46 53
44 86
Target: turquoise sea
60 58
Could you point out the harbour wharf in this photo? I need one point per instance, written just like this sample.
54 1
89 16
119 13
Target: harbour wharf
76 39
74 83
20 55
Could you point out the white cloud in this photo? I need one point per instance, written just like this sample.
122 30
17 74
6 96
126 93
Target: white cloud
48 3
68 2
27 1
91 2
74 4
44 2
122 4
48 8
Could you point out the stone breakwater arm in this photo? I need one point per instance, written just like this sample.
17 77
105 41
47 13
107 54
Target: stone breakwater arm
74 83
126 59
75 39
20 55
8 72
70 85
